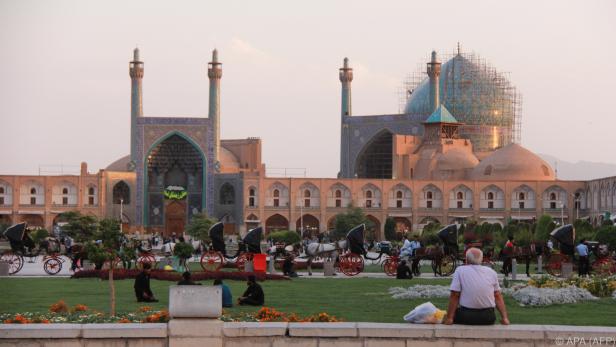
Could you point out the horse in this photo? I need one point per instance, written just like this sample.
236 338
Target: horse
323 250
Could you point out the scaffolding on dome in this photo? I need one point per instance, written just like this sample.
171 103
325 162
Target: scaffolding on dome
475 93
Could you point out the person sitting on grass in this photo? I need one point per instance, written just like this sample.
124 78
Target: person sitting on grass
287 266
253 295
403 272
142 285
475 288
227 298
187 280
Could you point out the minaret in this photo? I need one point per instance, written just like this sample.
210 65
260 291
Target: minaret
136 107
346 77
214 73
434 72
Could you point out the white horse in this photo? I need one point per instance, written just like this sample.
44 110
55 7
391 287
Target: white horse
324 250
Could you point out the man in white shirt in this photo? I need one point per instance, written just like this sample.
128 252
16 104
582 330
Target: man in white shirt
474 293
583 265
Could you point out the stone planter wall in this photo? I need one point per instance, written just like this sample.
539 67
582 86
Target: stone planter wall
214 333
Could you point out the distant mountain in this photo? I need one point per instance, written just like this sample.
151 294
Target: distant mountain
582 170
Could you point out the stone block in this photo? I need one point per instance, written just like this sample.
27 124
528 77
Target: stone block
146 343
61 343
129 330
323 329
195 342
19 343
4 268
195 301
294 342
490 332
240 329
104 343
429 343
325 342
516 344
248 342
384 342
40 331
395 330
461 343
328 268
186 327
567 270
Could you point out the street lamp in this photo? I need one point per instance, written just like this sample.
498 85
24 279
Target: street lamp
121 212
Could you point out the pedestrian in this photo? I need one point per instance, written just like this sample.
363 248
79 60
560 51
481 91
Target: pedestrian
227 298
474 293
508 256
406 250
415 245
583 265
187 280
253 295
142 285
403 272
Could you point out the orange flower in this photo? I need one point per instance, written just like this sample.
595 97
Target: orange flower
145 308
123 320
80 308
58 307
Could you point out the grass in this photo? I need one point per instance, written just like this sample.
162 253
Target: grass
357 299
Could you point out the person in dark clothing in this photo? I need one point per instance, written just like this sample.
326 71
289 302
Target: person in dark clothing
227 299
403 271
253 295
507 253
287 266
187 281
142 285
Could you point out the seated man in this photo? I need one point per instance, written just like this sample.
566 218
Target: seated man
403 271
253 295
287 266
227 299
406 250
187 280
475 288
142 285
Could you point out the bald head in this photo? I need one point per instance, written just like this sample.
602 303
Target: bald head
474 256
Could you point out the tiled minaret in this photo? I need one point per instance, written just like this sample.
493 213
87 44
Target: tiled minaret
346 77
434 72
214 73
136 106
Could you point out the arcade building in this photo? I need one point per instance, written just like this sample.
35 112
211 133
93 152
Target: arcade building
451 156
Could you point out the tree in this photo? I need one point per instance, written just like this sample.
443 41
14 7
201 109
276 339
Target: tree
390 229
344 222
545 225
285 236
81 228
199 226
109 232
607 235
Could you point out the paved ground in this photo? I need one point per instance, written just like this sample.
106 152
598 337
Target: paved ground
35 269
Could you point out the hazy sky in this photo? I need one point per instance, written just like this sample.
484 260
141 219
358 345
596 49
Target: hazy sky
65 89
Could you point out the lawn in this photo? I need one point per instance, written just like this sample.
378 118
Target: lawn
357 299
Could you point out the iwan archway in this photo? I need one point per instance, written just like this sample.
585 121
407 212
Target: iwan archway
174 184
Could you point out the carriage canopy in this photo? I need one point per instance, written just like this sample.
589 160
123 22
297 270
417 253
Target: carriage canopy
449 235
252 240
15 232
565 234
355 238
216 235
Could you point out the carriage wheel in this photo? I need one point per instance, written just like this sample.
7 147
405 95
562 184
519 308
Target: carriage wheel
555 264
351 264
16 261
211 261
390 266
447 265
52 266
146 258
604 267
241 260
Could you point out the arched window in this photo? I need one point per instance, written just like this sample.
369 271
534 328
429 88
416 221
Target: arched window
91 191
460 196
306 198
1 190
306 193
33 191
429 195
552 196
490 196
227 194
252 194
276 197
368 198
399 196
64 190
338 195
121 193
521 197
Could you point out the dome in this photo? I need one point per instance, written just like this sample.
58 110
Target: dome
120 165
228 160
513 162
456 159
476 94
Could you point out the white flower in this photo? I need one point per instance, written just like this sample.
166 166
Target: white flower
420 291
533 296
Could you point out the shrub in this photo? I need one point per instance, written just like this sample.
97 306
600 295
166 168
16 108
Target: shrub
285 236
607 235
183 250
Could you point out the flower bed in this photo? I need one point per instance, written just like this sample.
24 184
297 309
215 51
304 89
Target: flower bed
533 296
269 314
596 285
122 274
420 291
81 314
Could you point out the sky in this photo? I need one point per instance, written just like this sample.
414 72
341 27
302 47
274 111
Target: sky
65 89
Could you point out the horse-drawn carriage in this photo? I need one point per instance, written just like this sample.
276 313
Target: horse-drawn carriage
213 259
565 236
22 246
351 262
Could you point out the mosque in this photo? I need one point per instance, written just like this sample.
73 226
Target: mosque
452 155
